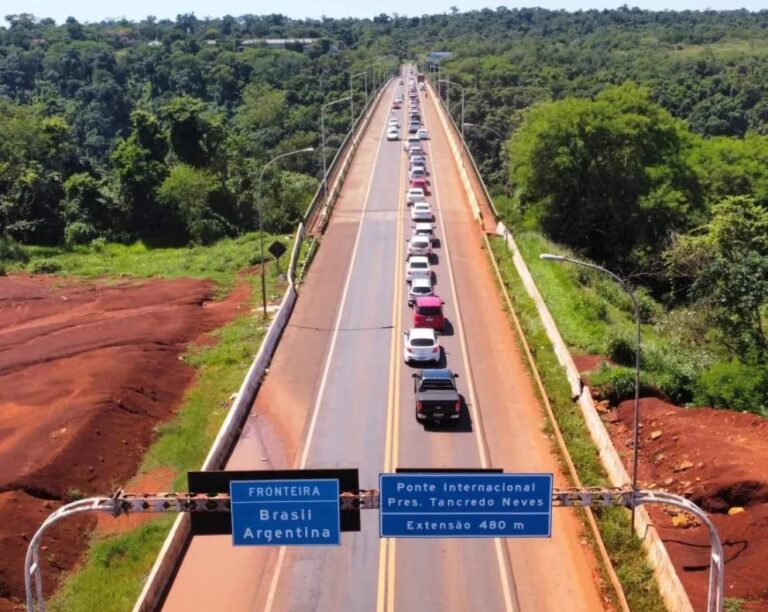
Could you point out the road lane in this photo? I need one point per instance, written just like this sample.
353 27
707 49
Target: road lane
553 573
351 410
445 574
212 571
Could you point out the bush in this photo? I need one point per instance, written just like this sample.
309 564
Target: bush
733 385
621 349
44 266
3 271
79 232
10 250
592 307
97 245
618 384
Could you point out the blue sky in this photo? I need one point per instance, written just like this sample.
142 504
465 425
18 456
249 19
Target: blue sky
96 10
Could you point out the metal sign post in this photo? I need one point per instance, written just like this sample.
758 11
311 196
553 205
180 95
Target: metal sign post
394 495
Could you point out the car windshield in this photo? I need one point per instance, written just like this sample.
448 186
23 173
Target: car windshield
428 310
422 342
420 265
421 290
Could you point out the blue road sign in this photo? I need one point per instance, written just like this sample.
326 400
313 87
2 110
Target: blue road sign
465 505
285 512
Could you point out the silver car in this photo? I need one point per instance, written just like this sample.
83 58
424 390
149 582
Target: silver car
420 245
420 287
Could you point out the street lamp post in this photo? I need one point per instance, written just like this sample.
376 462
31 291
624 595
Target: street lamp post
364 74
261 221
449 82
373 72
504 159
626 288
322 136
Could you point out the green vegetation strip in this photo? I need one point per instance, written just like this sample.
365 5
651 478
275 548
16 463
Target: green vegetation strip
624 549
115 566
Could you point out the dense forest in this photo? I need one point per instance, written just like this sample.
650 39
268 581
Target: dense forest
158 130
637 138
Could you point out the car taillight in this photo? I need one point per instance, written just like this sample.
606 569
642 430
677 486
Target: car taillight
436 349
456 406
409 350
419 406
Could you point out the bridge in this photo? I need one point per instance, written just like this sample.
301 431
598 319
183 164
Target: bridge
338 394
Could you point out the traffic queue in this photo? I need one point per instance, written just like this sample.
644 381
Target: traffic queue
435 395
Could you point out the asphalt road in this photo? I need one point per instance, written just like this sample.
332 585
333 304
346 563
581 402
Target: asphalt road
339 395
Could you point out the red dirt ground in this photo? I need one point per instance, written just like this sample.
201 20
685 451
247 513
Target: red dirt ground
718 459
87 371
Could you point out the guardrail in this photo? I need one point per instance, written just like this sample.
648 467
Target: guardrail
179 537
672 590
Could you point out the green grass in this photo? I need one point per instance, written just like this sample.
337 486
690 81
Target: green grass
589 308
113 572
115 566
624 549
217 262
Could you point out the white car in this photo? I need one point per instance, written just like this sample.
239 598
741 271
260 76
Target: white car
420 345
420 287
417 172
422 133
421 211
394 123
420 245
417 160
424 229
417 266
414 194
414 148
393 135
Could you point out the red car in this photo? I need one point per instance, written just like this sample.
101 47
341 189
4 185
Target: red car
396 106
428 312
419 181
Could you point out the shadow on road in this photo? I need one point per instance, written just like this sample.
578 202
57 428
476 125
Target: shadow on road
447 328
462 425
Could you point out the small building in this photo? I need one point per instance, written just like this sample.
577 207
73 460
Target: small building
436 57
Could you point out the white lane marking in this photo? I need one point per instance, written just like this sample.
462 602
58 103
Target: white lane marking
329 359
504 575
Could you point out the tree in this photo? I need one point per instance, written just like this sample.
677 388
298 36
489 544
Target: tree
187 192
139 167
725 264
194 135
608 176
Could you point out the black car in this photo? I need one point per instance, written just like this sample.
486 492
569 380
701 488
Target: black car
437 398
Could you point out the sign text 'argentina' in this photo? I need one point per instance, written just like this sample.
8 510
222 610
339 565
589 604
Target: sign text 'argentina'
285 512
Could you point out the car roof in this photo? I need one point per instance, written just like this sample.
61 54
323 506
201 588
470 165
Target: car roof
427 204
419 238
415 189
437 373
429 300
422 332
424 225
418 258
427 282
